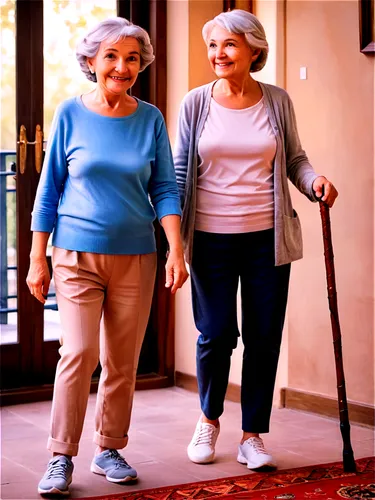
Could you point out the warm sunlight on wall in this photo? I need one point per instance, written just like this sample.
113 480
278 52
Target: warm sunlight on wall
187 68
335 114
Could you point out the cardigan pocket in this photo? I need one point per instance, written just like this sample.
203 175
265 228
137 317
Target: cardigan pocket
293 236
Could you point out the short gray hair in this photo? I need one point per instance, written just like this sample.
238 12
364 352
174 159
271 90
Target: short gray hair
242 22
113 29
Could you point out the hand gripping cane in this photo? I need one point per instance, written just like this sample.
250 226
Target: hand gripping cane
348 457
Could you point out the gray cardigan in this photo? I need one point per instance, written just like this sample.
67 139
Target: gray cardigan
290 162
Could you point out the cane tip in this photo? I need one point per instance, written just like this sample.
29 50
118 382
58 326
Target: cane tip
349 463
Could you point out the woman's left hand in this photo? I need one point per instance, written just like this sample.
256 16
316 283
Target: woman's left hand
322 186
176 273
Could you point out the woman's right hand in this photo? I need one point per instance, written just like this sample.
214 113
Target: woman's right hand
38 278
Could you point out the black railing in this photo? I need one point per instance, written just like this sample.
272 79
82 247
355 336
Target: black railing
8 228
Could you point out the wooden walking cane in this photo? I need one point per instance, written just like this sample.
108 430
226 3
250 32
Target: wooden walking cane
348 457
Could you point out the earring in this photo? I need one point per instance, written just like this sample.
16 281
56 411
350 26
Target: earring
92 71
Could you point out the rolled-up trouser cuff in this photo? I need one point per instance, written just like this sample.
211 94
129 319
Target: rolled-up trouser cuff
61 447
109 442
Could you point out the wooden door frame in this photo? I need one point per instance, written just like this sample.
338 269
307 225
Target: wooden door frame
151 86
26 353
37 356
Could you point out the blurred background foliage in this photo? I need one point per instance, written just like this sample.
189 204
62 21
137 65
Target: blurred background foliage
65 23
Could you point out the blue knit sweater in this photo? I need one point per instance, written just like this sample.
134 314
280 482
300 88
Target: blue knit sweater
105 179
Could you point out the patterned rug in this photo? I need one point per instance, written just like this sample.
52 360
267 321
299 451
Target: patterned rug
323 482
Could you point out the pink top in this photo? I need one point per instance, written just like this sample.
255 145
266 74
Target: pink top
235 177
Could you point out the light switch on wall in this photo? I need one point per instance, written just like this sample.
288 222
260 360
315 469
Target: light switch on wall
303 73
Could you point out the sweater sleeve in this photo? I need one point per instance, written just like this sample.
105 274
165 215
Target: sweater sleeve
163 188
52 178
299 169
181 149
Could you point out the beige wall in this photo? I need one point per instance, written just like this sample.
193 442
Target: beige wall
200 11
186 57
187 68
185 22
177 59
335 111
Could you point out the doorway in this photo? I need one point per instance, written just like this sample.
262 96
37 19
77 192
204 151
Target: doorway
39 71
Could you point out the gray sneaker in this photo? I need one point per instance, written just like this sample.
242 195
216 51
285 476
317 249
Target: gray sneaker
57 477
113 466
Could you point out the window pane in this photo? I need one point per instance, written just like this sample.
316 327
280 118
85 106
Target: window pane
65 24
8 260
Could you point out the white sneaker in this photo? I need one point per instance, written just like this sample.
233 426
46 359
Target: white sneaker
201 449
253 454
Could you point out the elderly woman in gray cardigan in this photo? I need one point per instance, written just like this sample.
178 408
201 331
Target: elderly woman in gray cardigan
237 146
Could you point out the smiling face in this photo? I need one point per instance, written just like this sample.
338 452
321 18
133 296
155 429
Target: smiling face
229 54
116 65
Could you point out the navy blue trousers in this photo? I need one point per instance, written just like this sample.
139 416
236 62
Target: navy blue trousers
220 262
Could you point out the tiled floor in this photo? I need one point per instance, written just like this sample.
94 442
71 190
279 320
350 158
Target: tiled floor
162 424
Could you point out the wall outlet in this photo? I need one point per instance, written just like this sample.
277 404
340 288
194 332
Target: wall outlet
303 73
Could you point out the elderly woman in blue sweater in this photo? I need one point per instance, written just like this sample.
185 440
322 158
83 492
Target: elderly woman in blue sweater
236 147
108 172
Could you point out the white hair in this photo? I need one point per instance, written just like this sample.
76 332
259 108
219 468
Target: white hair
242 22
113 30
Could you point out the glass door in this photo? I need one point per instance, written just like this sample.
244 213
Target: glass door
10 339
8 277
64 24
38 71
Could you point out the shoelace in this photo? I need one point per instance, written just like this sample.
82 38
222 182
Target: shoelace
205 434
120 462
257 444
57 469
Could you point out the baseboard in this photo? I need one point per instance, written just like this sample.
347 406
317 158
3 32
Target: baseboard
359 413
294 399
189 382
44 393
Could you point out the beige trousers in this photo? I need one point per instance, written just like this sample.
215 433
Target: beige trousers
104 303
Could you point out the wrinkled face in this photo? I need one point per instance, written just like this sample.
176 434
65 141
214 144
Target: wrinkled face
117 65
229 54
